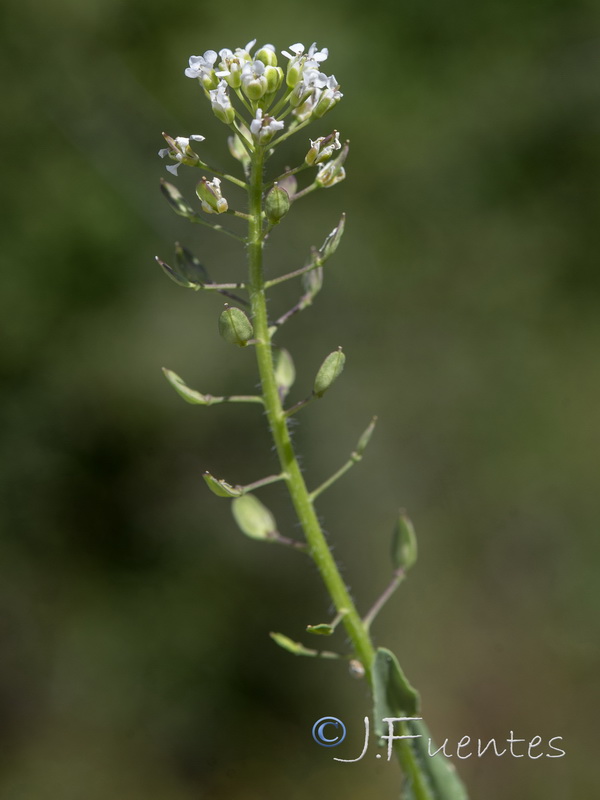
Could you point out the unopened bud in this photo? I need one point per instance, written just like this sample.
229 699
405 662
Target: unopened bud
277 204
267 55
274 76
253 518
234 326
329 371
404 543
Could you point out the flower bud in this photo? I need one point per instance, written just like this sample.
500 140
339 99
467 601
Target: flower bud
253 518
267 55
209 192
277 204
220 487
234 326
274 76
221 103
329 371
404 543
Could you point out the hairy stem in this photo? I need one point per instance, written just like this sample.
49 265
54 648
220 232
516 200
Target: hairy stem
318 548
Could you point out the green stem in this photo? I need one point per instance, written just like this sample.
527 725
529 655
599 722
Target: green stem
318 548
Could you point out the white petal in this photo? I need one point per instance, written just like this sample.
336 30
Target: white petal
164 152
172 168
210 57
197 138
250 45
190 72
297 48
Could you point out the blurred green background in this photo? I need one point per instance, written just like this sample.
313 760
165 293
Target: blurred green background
135 660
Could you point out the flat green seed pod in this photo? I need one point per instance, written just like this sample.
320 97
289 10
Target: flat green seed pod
322 629
235 327
404 543
176 200
183 390
277 204
285 372
329 371
220 487
253 518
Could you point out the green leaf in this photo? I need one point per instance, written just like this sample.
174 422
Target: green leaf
443 781
329 371
253 518
220 487
183 390
393 695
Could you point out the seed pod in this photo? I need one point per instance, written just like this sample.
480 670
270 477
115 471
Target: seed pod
189 266
285 372
234 326
366 437
330 245
253 518
176 200
404 543
329 370
182 389
322 629
277 204
175 275
220 487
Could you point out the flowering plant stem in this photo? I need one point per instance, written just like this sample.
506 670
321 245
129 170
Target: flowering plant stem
318 548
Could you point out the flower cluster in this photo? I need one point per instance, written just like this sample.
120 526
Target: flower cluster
268 99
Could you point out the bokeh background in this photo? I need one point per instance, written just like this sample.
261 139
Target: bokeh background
135 661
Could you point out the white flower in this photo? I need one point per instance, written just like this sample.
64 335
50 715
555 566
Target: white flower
231 64
312 55
210 195
179 150
202 67
221 104
263 128
299 61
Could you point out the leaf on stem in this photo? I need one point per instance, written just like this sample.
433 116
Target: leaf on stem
442 778
393 696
